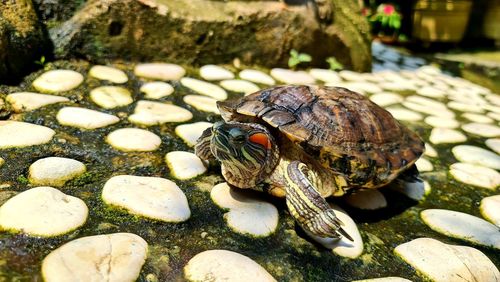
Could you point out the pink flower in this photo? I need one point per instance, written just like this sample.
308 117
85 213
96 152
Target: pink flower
389 9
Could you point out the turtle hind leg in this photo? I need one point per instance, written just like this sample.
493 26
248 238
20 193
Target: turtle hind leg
306 204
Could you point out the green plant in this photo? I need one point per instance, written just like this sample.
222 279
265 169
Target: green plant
334 64
386 20
297 58
42 62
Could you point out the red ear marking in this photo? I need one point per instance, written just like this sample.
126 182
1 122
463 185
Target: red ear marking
260 138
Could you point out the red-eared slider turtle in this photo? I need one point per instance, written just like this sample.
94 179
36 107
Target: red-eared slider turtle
306 143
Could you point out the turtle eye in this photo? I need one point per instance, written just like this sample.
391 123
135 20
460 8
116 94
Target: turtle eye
237 135
260 138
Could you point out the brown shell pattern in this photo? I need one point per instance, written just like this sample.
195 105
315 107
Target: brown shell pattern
344 130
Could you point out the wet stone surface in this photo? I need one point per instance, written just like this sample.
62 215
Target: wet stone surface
71 125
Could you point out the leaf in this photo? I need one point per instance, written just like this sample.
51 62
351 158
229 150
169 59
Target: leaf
303 57
294 53
293 61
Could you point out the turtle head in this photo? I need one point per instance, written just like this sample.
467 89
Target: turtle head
247 151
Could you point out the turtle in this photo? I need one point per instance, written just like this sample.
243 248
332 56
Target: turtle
309 142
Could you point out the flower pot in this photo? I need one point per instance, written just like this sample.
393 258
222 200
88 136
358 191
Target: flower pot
440 20
491 26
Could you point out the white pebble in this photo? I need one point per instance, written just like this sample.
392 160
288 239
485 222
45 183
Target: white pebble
156 89
446 135
429 109
404 114
430 151
441 122
160 71
367 199
133 139
153 113
184 165
413 190
55 171
257 76
108 257
477 118
476 155
43 211
493 144
202 103
465 107
430 91
424 165
222 265
240 86
247 214
28 101
462 226
110 97
23 134
443 262
484 130
475 175
384 279
343 247
386 98
365 87
351 75
191 132
213 72
426 102
325 75
205 88
151 197
493 98
292 77
57 81
490 209
85 118
494 116
110 74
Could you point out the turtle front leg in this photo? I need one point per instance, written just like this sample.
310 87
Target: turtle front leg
306 204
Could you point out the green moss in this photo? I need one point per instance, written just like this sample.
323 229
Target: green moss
23 180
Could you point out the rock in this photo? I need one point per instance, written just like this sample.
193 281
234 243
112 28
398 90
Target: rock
110 97
133 139
191 132
247 214
413 190
476 155
108 73
29 101
292 77
430 151
56 81
157 89
443 262
386 98
153 113
477 118
204 88
151 197
222 265
441 122
202 103
475 175
462 226
404 114
325 75
446 135
109 257
184 165
213 72
43 211
238 85
490 209
213 32
160 71
257 76
367 199
343 247
22 40
493 144
23 134
424 165
484 130
85 118
55 171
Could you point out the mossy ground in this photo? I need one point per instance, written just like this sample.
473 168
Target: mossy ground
287 254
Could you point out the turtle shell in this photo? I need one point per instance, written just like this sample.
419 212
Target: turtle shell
343 130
